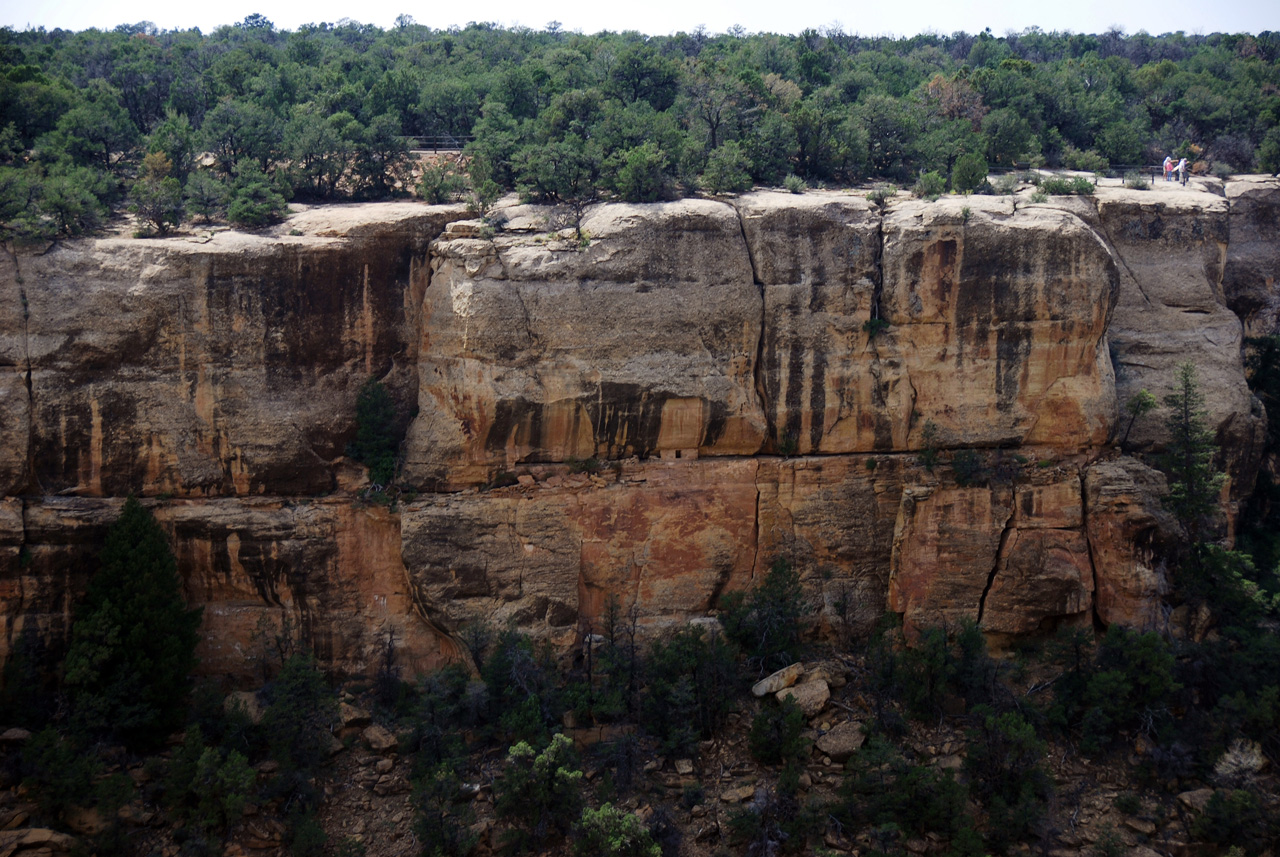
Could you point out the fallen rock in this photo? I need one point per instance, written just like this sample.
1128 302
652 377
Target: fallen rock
16 735
811 696
84 820
379 739
13 841
1197 799
738 795
684 767
842 741
350 715
783 678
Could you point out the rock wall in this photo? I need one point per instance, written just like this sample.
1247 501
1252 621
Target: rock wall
675 395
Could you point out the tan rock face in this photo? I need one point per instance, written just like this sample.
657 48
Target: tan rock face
685 345
1253 255
1012 558
1171 310
644 341
1126 526
997 326
227 367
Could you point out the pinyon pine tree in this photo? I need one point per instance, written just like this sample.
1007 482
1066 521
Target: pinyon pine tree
1194 481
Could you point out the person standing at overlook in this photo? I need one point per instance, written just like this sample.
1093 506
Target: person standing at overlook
1168 166
1182 171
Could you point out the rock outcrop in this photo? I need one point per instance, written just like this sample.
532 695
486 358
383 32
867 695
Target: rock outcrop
917 406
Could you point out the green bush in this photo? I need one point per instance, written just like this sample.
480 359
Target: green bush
641 174
1056 186
612 832
968 467
206 197
1005 764
881 194
1134 180
300 706
441 183
540 794
794 184
688 687
377 443
765 622
441 825
728 170
969 172
254 200
207 787
522 688
882 787
776 739
930 186
1131 686
128 668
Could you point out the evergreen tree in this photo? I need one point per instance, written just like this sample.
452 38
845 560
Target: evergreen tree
1194 481
133 643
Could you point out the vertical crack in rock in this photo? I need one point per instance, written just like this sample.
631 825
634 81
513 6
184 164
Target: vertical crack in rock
757 371
995 565
1088 546
1101 230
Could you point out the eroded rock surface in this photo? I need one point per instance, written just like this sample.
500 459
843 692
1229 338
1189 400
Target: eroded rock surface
716 358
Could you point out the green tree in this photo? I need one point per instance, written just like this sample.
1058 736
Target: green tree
540 793
728 169
377 442
766 622
1194 481
969 173
133 641
254 200
157 197
612 832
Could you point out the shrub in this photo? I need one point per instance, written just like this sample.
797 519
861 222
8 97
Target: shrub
794 184
1086 161
968 467
208 786
1039 196
687 693
1130 688
883 788
254 201
440 825
158 203
1233 818
969 172
300 706
441 183
641 173
612 832
1056 186
540 793
1006 184
930 186
873 327
727 170
928 456
1134 180
206 197
377 443
775 739
881 194
521 683
133 642
1006 771
1081 186
765 623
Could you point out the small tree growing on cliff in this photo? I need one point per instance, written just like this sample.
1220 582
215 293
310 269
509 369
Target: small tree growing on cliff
376 444
1194 481
133 643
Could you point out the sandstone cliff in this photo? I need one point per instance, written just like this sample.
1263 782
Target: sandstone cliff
714 356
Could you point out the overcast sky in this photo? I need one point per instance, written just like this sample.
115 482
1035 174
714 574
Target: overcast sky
662 17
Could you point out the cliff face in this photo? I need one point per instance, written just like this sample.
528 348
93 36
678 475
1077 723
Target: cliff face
716 357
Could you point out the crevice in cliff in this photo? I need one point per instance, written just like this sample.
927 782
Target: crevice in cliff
1115 251
1088 546
758 379
995 565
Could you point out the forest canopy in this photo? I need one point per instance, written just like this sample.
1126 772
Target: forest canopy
244 119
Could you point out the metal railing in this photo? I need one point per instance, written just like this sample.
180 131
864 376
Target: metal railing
439 143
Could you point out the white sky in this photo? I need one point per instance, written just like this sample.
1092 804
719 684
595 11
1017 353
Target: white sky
661 17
